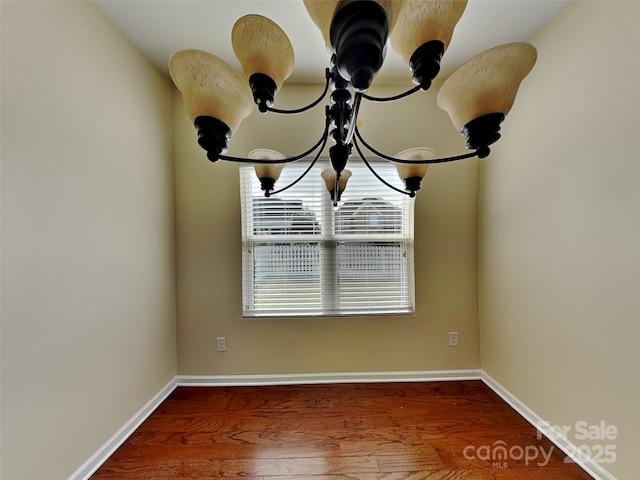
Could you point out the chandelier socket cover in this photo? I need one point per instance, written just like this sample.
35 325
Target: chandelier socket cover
210 87
264 91
487 83
482 132
213 136
425 63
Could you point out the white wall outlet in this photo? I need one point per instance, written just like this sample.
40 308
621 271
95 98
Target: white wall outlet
221 344
453 339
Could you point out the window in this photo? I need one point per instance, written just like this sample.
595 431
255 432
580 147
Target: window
304 257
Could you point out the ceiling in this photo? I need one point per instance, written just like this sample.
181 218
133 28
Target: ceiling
159 28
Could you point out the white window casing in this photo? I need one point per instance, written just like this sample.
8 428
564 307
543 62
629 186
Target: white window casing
303 257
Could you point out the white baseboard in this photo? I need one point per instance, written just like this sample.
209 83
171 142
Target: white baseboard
568 447
97 459
320 378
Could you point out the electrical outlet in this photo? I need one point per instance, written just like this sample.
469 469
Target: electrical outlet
221 344
453 339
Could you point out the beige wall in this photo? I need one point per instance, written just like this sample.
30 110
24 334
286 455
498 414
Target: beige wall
560 230
88 308
209 255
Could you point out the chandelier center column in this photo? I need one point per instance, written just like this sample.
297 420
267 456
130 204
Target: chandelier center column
358 35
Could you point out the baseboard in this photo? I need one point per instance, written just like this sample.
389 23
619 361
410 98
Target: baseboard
320 378
97 459
568 448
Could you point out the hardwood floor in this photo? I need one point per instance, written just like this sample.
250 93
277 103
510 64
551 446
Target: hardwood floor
436 430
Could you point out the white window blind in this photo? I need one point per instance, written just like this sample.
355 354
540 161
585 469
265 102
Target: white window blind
304 257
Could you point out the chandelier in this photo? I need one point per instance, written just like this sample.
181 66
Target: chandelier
477 96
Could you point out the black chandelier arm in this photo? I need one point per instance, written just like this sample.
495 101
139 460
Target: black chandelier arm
328 76
420 162
258 160
394 97
375 174
322 141
304 174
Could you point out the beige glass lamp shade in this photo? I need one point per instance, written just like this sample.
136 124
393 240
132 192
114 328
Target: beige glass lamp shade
262 47
329 177
267 170
210 87
421 21
409 170
322 11
393 9
487 83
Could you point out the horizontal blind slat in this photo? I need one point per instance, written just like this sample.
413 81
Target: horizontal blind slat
302 257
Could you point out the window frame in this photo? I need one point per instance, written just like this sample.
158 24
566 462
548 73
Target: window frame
329 240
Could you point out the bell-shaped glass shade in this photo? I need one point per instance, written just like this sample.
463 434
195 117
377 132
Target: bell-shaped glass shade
421 21
267 170
409 170
321 12
487 83
210 87
262 47
329 177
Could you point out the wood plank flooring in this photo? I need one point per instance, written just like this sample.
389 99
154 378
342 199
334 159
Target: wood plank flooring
390 431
